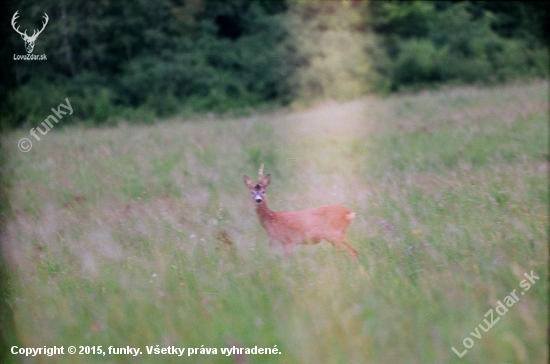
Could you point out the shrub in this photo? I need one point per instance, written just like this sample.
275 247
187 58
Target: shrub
458 45
418 61
31 102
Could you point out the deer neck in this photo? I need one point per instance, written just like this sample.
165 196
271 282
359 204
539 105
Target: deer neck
264 213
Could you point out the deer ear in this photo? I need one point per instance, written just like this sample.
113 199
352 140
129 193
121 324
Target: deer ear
248 182
265 180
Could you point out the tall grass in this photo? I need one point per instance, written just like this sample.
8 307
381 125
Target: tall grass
138 236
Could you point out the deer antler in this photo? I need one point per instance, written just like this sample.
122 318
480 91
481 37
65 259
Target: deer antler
261 173
13 19
24 34
43 25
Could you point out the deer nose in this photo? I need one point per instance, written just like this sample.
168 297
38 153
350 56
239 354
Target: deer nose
258 200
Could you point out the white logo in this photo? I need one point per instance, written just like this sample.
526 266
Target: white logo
29 41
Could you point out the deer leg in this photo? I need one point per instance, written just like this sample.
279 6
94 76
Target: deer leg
343 243
287 249
353 252
340 241
337 245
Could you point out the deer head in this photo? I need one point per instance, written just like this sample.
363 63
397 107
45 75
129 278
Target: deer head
258 190
29 41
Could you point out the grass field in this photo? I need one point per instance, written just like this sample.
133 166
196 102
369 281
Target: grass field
145 235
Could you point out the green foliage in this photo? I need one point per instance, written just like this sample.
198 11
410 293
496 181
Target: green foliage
418 61
159 56
120 59
451 42
403 19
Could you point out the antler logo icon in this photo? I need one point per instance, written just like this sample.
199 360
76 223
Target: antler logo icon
29 41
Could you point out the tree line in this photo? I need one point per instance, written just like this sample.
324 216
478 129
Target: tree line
142 59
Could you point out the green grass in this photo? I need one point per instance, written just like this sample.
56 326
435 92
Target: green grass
120 236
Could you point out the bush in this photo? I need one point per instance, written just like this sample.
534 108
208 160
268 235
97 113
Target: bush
418 62
539 60
31 103
457 46
220 55
163 104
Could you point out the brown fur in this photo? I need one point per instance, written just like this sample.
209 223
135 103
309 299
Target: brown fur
288 228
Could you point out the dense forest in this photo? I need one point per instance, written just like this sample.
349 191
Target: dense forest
138 60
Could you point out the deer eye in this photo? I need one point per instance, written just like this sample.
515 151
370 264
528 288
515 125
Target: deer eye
263 192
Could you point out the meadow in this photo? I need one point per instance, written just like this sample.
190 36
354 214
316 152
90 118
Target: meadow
145 235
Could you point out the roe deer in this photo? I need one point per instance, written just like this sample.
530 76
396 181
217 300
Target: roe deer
288 228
